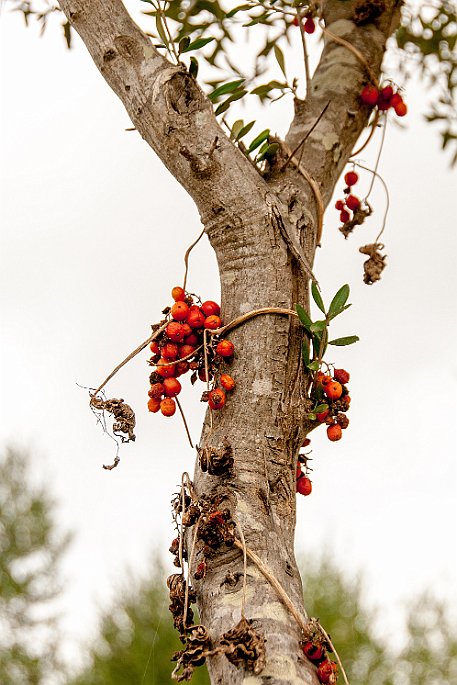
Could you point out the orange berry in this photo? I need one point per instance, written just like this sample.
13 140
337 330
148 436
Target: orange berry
325 380
212 322
227 382
192 339
334 432
168 406
179 311
304 486
225 348
154 404
184 350
333 390
156 390
195 318
182 368
172 387
186 329
210 308
174 330
170 351
178 294
216 398
164 370
401 109
154 347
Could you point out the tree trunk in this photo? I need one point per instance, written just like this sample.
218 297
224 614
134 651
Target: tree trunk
264 230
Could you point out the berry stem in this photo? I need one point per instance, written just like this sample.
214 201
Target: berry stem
186 258
305 52
184 421
370 136
340 664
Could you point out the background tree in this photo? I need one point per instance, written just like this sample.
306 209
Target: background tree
259 284
30 549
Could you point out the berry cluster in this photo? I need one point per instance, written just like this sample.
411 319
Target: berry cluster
303 483
384 99
179 349
350 202
334 392
316 648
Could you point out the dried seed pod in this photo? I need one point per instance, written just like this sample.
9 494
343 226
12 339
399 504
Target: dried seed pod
244 647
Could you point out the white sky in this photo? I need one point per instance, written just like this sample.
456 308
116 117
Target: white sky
93 234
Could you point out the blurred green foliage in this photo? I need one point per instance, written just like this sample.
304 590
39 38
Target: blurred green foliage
30 550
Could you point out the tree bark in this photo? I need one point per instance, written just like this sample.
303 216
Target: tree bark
264 232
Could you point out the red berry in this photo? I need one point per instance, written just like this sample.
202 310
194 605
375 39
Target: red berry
195 318
304 486
324 380
172 387
187 330
322 415
341 376
182 368
156 390
170 351
225 348
385 98
210 308
387 92
178 294
333 390
306 442
334 432
401 109
165 370
309 25
326 671
227 382
154 404
312 651
192 339
396 99
369 95
216 398
168 406
353 202
212 322
179 311
298 471
351 178
184 350
295 21
154 347
174 330
339 205
344 216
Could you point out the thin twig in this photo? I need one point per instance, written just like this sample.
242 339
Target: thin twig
307 135
375 173
186 258
275 584
181 359
189 569
184 421
340 664
133 354
305 52
370 136
354 51
249 315
245 568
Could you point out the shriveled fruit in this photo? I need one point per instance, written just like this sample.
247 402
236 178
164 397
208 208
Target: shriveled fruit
326 671
168 406
334 432
156 390
341 376
313 652
216 398
182 368
154 347
225 348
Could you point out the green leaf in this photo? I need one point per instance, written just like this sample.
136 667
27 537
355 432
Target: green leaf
240 8
197 44
314 366
183 44
259 140
224 89
236 128
269 152
193 67
245 130
318 326
320 408
280 59
161 30
338 302
348 340
317 297
312 417
303 317
305 352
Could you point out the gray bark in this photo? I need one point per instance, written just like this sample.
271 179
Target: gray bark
253 224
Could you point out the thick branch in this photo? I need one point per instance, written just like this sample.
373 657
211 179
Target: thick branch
166 106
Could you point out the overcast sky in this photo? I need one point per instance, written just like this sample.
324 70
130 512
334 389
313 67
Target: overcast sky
93 231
